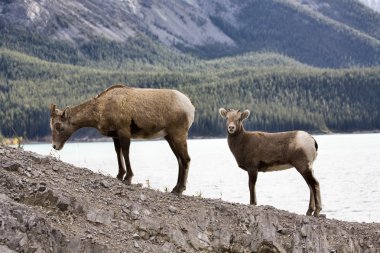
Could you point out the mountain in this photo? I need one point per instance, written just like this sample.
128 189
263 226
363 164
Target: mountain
374 4
296 64
321 33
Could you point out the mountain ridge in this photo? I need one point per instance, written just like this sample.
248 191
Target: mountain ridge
309 31
373 4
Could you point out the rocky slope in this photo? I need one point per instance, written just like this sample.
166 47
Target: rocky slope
186 21
50 206
170 21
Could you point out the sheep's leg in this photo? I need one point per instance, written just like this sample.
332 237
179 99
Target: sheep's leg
252 178
315 205
119 154
317 195
168 139
178 145
125 142
311 202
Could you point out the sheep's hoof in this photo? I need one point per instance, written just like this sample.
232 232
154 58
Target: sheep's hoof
316 212
176 193
177 190
120 176
127 181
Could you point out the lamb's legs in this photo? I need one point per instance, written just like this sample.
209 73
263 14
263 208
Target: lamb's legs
311 202
315 205
121 173
178 145
252 178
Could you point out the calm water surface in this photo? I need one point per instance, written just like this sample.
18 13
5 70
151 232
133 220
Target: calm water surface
347 168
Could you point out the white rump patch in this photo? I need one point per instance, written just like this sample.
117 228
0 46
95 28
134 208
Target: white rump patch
303 140
187 106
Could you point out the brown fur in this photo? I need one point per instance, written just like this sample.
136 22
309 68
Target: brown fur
261 152
110 88
124 113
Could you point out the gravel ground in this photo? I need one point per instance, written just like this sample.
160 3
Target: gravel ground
50 206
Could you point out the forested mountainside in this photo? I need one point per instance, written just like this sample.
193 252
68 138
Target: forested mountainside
295 64
281 97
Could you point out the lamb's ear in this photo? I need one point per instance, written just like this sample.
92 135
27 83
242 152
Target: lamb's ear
245 114
223 112
52 109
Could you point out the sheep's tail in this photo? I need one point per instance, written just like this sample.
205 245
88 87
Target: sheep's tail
315 144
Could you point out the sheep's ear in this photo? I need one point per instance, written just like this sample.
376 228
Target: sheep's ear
58 112
245 114
223 112
52 109
65 113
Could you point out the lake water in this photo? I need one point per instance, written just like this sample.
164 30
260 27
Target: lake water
347 168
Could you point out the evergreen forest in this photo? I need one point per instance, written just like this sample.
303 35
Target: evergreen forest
284 95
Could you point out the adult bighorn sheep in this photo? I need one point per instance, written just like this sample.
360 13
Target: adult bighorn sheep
124 113
263 152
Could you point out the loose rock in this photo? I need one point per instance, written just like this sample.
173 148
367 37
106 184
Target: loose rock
62 208
172 209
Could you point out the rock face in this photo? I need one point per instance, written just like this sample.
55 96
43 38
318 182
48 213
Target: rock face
49 206
172 22
189 22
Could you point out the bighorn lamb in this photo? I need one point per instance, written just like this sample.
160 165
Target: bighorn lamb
124 113
262 152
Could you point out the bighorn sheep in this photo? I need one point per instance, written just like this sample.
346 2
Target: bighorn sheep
123 113
262 152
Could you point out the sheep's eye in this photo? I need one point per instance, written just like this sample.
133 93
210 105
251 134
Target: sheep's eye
58 127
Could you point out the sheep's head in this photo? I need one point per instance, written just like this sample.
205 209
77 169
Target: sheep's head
60 126
234 119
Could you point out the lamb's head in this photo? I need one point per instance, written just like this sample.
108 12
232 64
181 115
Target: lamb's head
234 119
60 126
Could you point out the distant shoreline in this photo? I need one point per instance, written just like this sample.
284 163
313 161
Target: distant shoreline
108 139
